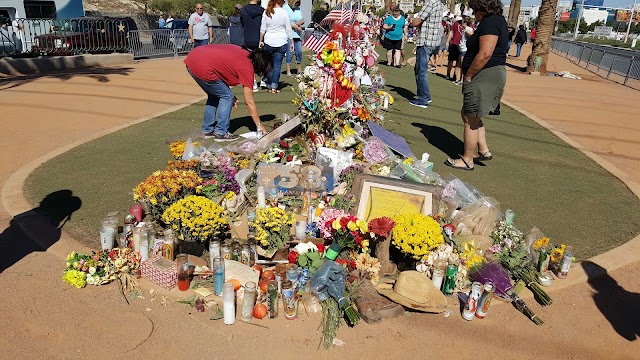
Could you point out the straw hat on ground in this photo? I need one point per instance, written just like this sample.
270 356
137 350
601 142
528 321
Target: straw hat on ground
416 291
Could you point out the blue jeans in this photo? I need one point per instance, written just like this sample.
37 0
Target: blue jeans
278 53
421 70
197 43
297 49
219 102
518 48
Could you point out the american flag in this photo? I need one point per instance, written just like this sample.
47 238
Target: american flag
342 13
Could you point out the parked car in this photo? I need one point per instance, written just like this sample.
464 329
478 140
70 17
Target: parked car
175 33
93 35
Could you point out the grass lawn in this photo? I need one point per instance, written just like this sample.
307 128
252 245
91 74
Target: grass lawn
545 181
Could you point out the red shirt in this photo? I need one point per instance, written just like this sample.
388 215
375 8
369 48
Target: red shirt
457 29
229 63
533 33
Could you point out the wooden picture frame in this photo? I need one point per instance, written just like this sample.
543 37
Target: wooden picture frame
378 196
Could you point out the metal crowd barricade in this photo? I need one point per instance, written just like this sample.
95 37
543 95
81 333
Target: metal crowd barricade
65 36
621 68
168 42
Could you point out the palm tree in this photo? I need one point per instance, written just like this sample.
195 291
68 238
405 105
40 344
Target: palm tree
544 29
514 12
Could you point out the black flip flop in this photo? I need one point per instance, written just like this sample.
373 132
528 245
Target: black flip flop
483 157
452 164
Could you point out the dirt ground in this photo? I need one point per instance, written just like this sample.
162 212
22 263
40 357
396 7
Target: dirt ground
45 318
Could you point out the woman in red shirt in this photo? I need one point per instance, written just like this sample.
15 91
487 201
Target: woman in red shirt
216 68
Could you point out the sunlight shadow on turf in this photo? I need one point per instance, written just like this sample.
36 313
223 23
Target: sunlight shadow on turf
246 121
38 228
618 305
441 139
407 94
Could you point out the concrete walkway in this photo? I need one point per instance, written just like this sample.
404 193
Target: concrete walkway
50 113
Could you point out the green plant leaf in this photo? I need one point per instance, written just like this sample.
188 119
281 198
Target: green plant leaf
217 315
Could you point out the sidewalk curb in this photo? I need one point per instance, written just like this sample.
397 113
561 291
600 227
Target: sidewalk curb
625 254
13 199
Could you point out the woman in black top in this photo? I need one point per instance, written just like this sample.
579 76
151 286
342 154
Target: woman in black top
484 72
521 38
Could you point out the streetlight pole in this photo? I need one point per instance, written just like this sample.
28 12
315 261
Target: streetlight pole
633 9
575 33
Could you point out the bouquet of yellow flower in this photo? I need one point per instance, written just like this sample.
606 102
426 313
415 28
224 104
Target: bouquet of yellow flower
416 235
177 148
196 218
273 226
184 165
163 188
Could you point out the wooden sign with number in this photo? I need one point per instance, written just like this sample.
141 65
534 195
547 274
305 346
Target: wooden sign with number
293 179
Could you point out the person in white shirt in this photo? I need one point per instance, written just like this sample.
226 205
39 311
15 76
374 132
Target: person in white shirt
200 27
275 36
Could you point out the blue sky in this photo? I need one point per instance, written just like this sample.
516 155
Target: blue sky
612 3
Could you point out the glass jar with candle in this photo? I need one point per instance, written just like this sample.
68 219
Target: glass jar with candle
289 300
183 272
292 272
236 250
253 247
301 230
108 233
250 293
228 304
272 294
225 251
245 255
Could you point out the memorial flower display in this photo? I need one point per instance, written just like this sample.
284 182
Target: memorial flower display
298 195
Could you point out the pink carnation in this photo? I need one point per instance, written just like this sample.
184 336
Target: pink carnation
327 215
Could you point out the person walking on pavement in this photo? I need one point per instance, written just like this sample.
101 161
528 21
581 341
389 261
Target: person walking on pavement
251 18
200 27
428 20
275 36
216 68
161 22
521 39
512 33
484 78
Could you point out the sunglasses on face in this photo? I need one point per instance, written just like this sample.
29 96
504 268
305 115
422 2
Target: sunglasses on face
198 8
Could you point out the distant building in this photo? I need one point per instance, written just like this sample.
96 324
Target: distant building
592 15
591 2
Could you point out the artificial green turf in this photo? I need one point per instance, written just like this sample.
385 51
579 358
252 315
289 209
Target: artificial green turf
548 183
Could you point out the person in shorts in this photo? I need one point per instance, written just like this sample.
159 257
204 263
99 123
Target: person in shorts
455 35
484 80
395 27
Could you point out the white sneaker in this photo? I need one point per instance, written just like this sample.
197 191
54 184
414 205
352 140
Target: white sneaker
263 84
255 87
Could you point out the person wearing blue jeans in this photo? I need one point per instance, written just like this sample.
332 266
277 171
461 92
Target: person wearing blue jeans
216 68
423 53
278 53
220 100
297 50
429 21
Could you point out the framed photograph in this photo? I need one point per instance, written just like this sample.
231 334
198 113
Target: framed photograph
379 196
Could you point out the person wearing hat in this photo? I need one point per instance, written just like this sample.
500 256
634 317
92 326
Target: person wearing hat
414 290
236 32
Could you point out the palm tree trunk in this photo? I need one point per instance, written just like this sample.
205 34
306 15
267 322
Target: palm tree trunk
452 6
514 12
542 42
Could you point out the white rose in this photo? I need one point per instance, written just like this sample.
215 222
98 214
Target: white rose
92 270
91 280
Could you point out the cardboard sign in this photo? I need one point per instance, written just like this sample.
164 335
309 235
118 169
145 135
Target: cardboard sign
279 132
396 142
240 272
291 179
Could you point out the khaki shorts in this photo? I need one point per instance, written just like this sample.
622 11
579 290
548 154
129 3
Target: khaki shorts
482 94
